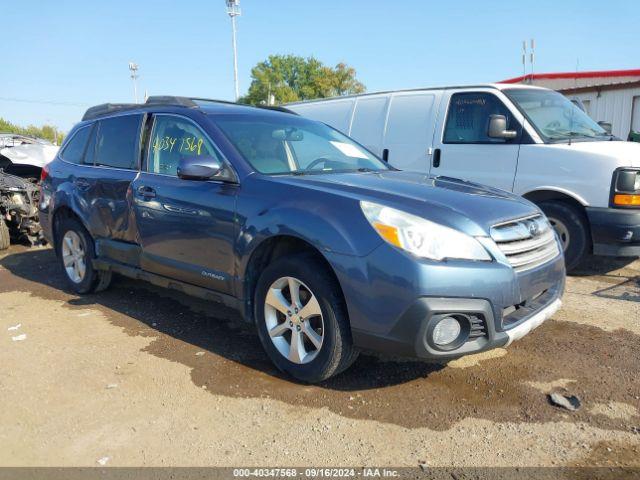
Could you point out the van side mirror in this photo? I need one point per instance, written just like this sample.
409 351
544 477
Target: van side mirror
498 128
203 167
606 126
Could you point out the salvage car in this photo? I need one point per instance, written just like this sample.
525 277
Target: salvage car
18 211
325 247
21 161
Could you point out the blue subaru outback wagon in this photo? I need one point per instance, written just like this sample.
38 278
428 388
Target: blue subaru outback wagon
325 247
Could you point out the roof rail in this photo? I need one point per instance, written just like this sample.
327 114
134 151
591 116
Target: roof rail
192 102
169 100
105 108
277 108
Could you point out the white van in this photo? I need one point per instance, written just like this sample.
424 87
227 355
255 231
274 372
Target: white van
528 140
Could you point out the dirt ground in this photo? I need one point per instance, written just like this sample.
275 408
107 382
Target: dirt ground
140 376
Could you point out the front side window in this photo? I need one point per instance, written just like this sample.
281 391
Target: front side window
280 144
117 142
469 115
74 150
554 116
173 138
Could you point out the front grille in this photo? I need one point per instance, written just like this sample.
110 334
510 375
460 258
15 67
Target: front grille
527 242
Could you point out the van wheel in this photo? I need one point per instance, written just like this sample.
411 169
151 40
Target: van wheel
571 226
5 238
76 253
301 319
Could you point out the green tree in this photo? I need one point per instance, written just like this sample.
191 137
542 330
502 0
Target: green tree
289 78
48 132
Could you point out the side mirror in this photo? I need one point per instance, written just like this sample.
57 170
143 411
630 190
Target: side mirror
199 168
498 128
606 126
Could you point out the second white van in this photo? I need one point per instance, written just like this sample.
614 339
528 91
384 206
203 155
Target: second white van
529 140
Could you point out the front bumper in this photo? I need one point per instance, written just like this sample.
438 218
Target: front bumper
615 231
394 301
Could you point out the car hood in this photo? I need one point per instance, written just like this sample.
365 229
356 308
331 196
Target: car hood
623 154
466 206
36 155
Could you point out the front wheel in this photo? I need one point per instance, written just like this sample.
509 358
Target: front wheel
301 319
572 228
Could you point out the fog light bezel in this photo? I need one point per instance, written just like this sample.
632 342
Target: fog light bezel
465 329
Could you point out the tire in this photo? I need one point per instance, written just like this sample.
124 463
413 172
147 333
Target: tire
571 225
5 239
329 319
75 248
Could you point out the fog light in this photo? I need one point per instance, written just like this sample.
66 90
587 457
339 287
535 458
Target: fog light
446 331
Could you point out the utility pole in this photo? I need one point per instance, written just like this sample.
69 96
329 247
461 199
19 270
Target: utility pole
133 68
233 9
533 58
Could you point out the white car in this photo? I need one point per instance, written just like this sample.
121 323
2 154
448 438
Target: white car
528 140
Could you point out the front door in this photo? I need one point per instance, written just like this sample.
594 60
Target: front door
462 147
186 227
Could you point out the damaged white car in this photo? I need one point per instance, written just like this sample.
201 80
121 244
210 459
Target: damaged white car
21 161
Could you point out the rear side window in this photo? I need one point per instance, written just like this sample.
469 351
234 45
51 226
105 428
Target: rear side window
117 142
468 118
74 151
173 138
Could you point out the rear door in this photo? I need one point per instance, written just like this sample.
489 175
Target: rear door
114 152
186 227
369 118
462 147
336 113
409 129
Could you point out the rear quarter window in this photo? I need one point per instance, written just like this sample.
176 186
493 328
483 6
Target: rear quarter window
117 142
73 152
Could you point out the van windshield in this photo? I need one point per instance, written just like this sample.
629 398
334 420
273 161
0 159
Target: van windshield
281 144
554 116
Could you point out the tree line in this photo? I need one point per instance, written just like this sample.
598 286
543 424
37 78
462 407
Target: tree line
48 132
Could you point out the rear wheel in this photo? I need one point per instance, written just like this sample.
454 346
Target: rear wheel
572 228
76 254
5 238
301 319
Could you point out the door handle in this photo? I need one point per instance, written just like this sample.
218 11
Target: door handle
436 158
146 192
385 155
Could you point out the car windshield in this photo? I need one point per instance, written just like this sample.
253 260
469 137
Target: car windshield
288 144
554 116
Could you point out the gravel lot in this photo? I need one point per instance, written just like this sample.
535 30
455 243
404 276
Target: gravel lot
138 375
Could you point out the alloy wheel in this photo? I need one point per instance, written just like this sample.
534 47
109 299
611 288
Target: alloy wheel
294 320
73 256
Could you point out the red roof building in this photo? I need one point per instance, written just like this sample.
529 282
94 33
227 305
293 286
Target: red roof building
611 96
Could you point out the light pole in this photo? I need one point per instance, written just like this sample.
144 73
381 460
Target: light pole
133 68
233 9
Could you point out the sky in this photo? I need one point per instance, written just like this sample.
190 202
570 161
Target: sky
65 56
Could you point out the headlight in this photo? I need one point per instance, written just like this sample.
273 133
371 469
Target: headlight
626 188
422 237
